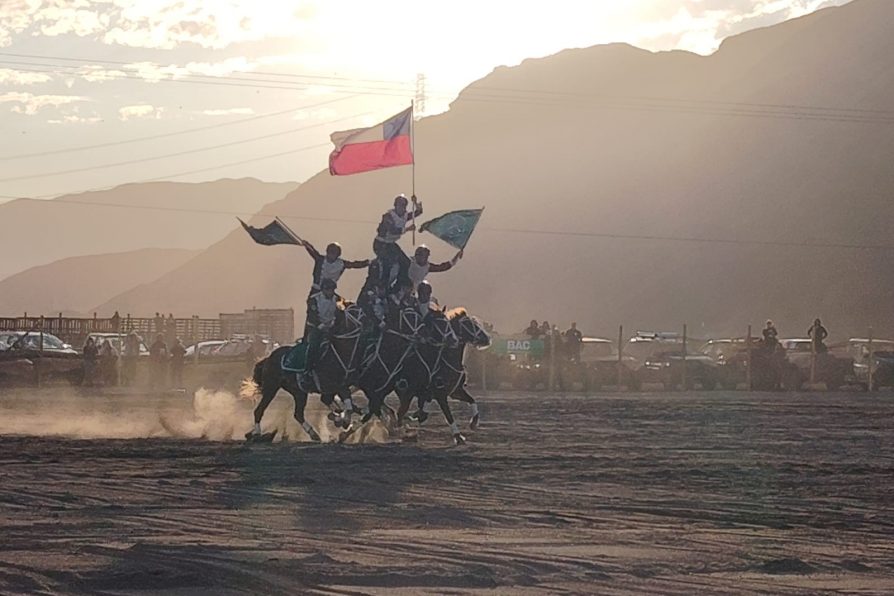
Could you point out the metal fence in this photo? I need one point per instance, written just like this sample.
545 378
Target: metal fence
277 324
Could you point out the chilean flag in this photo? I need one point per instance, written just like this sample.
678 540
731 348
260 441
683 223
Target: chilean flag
365 149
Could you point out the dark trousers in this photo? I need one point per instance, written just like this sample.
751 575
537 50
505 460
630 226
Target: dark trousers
314 338
390 253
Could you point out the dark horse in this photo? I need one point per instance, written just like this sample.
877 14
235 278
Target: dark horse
434 370
339 355
340 365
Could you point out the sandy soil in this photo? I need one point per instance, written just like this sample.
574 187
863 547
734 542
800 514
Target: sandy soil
670 494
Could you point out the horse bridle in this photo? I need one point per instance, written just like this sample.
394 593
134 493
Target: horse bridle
474 330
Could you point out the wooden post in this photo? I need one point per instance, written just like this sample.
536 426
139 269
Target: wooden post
683 378
620 356
195 335
871 362
552 361
748 378
483 371
812 357
40 360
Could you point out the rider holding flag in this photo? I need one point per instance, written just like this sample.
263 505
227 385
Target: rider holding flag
394 223
420 266
330 266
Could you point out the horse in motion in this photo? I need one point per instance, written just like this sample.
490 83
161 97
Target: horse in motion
339 355
391 363
434 370
344 362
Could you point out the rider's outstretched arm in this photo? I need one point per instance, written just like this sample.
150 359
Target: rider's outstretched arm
313 252
446 265
357 264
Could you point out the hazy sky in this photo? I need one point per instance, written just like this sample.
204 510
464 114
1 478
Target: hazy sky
79 73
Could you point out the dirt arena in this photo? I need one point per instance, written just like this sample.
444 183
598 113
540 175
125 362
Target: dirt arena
669 494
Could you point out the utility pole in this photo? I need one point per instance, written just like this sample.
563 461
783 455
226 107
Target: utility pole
419 103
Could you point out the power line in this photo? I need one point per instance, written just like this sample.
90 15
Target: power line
132 64
42 198
177 154
174 133
571 234
549 97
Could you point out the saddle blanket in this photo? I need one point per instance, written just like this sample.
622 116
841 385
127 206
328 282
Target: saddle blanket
296 358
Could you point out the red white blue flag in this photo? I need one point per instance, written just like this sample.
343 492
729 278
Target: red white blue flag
384 145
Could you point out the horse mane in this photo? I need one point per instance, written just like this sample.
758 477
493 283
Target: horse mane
456 313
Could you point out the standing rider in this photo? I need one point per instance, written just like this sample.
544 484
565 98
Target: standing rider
322 308
372 297
330 266
391 228
420 266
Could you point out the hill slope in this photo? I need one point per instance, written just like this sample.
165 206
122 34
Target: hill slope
784 135
76 284
40 232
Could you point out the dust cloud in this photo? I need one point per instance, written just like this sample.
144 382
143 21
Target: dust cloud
211 415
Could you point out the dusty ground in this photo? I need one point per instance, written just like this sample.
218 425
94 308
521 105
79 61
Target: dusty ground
674 494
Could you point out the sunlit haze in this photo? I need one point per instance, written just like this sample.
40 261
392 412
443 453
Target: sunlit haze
88 73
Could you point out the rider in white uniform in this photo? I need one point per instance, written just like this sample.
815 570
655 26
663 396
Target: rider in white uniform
330 266
420 266
393 225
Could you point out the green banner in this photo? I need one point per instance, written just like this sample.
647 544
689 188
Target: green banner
518 346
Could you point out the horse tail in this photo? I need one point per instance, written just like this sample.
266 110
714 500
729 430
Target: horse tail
254 385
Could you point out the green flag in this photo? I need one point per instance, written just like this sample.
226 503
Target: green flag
454 228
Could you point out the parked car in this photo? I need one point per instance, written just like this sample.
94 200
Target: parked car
834 369
598 365
883 361
242 345
21 350
770 369
660 358
206 348
116 341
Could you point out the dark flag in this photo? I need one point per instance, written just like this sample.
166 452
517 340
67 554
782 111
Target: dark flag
454 228
271 234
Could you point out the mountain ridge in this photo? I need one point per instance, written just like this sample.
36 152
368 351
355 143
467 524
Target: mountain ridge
727 151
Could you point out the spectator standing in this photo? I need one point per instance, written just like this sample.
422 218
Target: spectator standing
573 338
108 364
90 357
533 330
131 355
771 335
817 333
116 322
158 356
170 331
177 354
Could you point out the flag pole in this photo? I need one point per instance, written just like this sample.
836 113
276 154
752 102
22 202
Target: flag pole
289 230
413 170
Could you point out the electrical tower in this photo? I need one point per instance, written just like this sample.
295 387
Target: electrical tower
420 95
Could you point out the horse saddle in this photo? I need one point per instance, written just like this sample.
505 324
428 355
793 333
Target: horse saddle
295 360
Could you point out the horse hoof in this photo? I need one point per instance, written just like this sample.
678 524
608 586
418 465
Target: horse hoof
459 439
315 437
473 424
